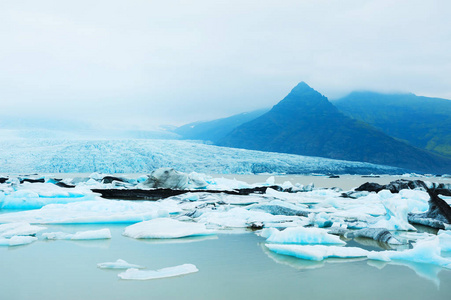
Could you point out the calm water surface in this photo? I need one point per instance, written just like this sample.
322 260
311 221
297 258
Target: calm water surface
231 266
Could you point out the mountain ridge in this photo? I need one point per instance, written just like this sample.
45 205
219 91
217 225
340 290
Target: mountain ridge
306 123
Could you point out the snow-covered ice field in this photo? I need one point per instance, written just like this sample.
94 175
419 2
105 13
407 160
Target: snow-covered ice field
137 156
69 243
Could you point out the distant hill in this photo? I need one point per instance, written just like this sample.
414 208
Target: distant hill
217 129
306 123
423 122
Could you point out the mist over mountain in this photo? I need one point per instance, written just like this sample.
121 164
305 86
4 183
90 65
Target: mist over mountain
215 130
306 123
422 121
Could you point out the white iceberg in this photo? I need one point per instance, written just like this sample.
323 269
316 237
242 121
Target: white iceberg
445 240
100 211
424 251
396 214
17 240
301 235
238 217
81 235
118 264
317 252
135 274
165 228
12 229
37 195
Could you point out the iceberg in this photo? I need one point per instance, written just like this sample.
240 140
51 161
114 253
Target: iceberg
277 207
424 251
165 228
81 235
301 235
23 229
396 214
238 217
445 240
317 252
100 211
118 264
37 195
135 274
17 240
378 234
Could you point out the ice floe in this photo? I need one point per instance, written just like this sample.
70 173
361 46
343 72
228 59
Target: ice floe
23 229
317 252
118 264
424 251
165 228
80 235
17 240
135 274
101 211
301 235
37 195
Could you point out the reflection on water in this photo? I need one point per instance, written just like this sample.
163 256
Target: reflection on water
183 240
231 266
426 271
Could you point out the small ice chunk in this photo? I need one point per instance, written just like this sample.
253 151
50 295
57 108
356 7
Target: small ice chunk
118 264
424 251
21 228
271 180
317 252
445 240
302 235
165 228
17 240
135 274
80 235
396 213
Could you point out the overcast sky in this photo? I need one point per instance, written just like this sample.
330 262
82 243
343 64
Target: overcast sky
143 63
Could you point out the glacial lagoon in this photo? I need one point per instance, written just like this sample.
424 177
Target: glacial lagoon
234 264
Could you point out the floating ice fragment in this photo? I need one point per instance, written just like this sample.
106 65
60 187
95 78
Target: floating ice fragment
377 234
277 207
445 240
396 214
17 240
165 228
12 229
37 195
424 251
302 235
317 252
81 235
118 264
98 212
135 274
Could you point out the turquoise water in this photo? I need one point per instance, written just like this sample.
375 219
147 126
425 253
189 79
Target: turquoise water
231 266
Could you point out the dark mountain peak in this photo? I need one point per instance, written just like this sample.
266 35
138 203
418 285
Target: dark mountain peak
303 88
301 98
306 123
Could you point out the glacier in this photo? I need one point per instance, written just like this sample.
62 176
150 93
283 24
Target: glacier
138 156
